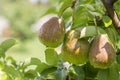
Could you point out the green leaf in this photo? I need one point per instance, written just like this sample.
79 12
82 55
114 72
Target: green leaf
76 72
50 10
118 43
90 7
30 73
64 5
89 31
35 61
30 61
107 21
81 16
5 45
13 73
39 78
2 53
112 34
11 61
3 76
85 12
42 67
51 56
1 65
49 73
92 13
86 1
90 71
111 73
60 74
118 59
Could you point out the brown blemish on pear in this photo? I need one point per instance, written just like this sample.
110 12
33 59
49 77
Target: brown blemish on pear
102 53
75 50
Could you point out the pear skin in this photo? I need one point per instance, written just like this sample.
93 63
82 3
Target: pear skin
75 50
52 32
102 53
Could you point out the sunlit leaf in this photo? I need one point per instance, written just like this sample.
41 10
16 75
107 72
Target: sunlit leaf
89 31
64 5
86 1
1 65
5 45
11 60
13 73
3 76
51 10
2 53
42 67
107 21
35 61
51 56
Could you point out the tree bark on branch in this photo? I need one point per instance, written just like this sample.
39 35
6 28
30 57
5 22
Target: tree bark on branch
109 5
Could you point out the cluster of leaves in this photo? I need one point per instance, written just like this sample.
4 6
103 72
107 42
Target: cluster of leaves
54 68
33 68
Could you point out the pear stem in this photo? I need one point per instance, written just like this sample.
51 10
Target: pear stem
73 10
96 26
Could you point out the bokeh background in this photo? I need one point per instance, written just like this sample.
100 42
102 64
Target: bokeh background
21 20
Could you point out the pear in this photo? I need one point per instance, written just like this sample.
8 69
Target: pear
102 53
75 50
52 32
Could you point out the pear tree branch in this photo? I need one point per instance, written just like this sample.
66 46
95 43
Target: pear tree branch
109 5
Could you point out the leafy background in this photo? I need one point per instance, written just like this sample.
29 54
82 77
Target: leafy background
30 60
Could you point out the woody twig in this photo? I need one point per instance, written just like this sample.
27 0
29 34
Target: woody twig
109 5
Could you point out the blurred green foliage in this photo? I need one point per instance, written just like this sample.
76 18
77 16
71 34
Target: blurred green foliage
22 15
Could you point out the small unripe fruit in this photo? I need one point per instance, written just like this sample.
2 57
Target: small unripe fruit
102 53
75 50
52 32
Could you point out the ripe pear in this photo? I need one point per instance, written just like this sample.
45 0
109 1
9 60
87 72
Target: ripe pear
52 32
74 49
102 53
